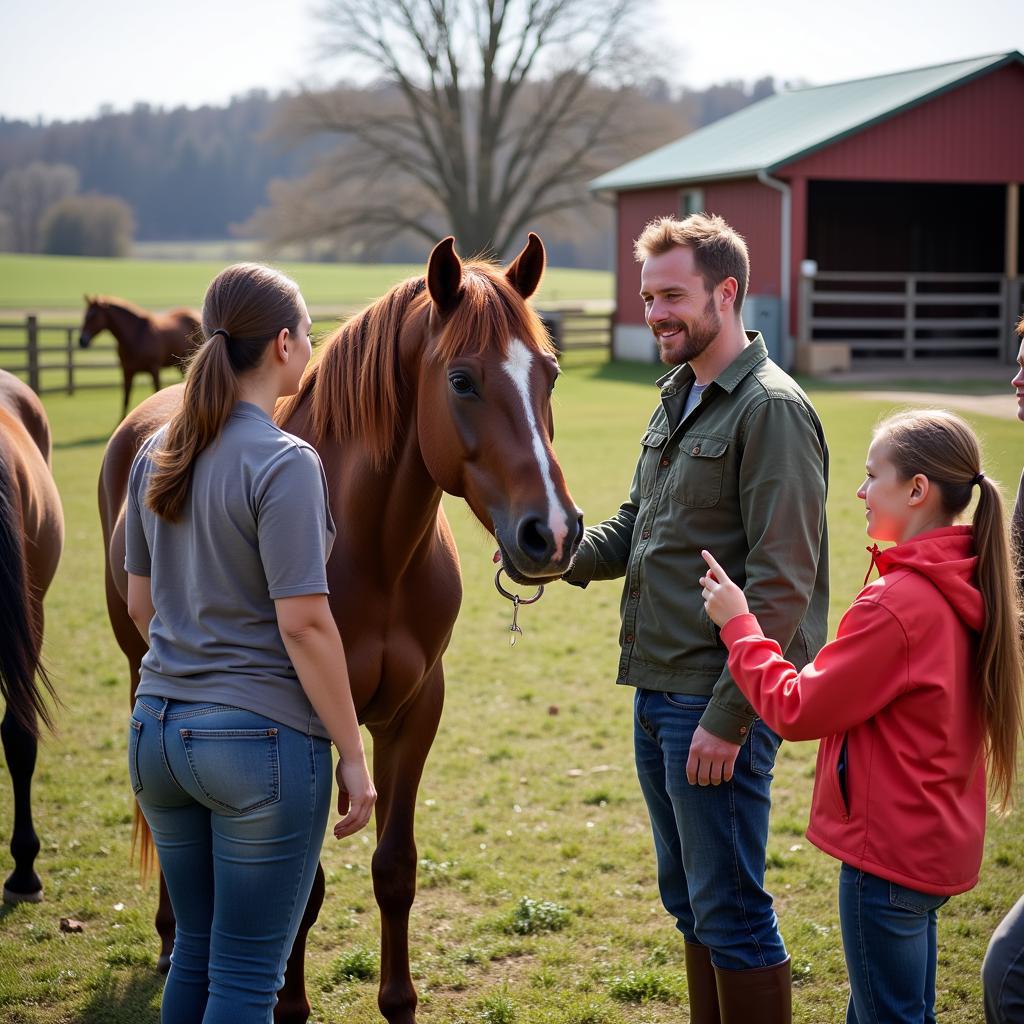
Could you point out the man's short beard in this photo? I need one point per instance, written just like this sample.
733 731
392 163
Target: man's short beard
697 338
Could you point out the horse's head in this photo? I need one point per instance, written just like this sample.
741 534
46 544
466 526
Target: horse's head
484 419
94 322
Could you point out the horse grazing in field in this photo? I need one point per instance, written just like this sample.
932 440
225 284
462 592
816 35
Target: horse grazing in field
31 539
441 385
145 341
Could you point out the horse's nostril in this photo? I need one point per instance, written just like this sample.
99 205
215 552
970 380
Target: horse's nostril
535 540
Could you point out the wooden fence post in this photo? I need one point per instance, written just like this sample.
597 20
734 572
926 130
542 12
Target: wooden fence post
69 348
32 329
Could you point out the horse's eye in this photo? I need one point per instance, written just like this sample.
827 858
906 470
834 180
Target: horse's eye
461 383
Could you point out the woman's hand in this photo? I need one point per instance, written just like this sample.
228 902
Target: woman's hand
723 600
356 796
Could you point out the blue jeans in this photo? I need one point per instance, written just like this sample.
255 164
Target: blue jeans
709 840
238 805
890 943
1002 973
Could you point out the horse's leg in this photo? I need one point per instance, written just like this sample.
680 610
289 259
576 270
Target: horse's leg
292 1005
398 759
155 372
20 746
128 376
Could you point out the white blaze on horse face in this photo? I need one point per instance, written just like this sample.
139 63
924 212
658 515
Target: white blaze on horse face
517 365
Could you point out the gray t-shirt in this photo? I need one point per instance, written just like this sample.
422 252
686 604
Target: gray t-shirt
696 390
256 525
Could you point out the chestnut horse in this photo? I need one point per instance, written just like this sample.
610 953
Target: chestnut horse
31 539
442 385
145 341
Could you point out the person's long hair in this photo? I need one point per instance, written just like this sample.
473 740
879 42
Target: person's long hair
945 449
245 308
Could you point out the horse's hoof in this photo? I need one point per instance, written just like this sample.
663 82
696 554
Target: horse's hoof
10 896
163 963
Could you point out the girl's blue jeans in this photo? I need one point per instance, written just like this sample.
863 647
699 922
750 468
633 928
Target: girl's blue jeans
237 805
890 938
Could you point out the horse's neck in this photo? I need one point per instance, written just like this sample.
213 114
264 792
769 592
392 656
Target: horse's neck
124 323
392 510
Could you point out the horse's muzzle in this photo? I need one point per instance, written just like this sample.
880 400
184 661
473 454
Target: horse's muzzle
530 552
83 340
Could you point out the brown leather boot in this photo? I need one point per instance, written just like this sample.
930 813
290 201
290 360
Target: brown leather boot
763 995
700 980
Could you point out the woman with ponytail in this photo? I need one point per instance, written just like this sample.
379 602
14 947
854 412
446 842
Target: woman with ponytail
244 685
918 700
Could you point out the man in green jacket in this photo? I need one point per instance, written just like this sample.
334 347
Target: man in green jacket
733 460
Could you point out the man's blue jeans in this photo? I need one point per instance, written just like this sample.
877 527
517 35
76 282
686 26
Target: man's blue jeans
890 941
237 804
710 840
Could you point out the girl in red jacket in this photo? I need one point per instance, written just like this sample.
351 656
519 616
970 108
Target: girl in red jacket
918 692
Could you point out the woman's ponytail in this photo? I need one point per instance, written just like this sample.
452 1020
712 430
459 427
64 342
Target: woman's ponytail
211 390
245 307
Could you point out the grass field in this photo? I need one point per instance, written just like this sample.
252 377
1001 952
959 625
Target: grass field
56 283
529 791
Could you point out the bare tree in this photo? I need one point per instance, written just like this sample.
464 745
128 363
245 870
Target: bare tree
26 193
486 116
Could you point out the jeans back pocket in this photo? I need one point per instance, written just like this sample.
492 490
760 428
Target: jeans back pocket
914 901
239 770
134 732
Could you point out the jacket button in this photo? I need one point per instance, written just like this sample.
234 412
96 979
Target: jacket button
696 449
665 462
743 730
629 638
636 593
645 534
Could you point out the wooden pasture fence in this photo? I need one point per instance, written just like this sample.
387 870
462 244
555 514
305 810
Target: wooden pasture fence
47 356
575 328
49 360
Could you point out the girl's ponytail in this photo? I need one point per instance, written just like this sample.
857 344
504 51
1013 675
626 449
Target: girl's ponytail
999 653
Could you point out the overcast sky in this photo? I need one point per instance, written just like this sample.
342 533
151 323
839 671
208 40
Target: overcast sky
64 59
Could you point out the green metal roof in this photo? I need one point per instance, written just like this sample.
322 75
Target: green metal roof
781 128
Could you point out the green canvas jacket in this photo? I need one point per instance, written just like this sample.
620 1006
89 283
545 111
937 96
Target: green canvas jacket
745 475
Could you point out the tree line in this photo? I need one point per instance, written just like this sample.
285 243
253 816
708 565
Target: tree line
482 121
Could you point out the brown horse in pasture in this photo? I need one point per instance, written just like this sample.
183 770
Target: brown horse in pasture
31 539
442 385
145 341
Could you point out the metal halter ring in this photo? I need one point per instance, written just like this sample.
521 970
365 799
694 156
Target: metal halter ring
515 598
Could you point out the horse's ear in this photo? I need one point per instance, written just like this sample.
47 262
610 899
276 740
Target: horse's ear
444 276
526 270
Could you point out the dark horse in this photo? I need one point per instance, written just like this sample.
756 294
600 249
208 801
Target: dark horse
145 341
441 385
31 539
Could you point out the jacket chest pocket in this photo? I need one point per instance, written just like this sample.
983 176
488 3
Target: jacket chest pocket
650 458
700 468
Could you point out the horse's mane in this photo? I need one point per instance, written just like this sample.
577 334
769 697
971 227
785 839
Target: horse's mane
122 304
355 387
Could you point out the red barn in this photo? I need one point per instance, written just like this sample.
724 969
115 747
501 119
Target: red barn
883 215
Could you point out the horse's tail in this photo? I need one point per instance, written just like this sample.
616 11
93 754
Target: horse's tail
142 843
23 678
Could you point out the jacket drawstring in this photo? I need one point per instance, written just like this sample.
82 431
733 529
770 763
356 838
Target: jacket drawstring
875 553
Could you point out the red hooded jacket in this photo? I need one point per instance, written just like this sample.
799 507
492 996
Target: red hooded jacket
898 686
